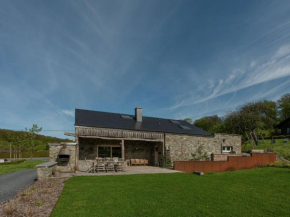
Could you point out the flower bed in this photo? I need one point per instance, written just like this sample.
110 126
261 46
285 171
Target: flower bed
36 200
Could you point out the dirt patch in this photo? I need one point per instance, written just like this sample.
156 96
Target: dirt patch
37 200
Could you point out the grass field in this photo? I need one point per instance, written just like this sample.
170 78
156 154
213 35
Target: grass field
254 192
17 167
280 146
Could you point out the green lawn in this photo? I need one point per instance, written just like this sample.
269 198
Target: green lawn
17 167
280 146
254 192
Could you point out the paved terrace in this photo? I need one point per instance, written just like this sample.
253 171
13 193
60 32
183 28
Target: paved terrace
131 170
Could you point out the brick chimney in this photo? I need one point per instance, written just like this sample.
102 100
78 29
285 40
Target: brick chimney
138 114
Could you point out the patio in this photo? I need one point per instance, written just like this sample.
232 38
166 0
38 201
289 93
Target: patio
130 171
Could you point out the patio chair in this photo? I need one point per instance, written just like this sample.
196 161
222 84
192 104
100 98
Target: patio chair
121 166
137 161
133 162
110 166
108 159
146 162
115 159
90 167
100 165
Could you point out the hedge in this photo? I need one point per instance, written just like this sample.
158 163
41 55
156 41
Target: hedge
43 153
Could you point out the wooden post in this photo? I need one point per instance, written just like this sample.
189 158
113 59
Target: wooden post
10 150
123 149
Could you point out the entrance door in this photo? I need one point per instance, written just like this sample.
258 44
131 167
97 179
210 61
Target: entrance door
156 156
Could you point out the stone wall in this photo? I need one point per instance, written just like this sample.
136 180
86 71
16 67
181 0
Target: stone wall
46 170
54 149
142 150
182 146
219 157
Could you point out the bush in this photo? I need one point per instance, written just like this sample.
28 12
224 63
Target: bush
200 155
279 164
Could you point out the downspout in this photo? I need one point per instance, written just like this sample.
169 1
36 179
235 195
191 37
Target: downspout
76 151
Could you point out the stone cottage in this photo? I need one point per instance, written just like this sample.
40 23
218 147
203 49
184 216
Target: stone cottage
103 134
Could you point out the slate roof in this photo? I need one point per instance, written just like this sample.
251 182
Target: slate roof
99 119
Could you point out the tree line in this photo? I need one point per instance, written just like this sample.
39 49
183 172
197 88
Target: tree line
252 120
25 141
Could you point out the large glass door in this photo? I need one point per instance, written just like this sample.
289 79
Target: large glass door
117 152
104 151
109 151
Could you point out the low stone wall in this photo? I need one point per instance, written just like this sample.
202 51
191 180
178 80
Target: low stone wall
219 157
46 170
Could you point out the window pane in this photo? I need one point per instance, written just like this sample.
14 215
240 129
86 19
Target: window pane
117 152
104 151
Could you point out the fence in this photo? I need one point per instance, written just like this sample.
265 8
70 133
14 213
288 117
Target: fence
233 163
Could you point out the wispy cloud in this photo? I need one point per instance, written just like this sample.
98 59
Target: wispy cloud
278 66
173 58
68 112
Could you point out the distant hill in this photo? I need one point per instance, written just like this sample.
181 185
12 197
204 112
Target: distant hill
41 141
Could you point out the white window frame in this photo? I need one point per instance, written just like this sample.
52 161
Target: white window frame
227 149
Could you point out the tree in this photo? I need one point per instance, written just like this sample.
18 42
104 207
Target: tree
211 124
189 120
29 138
252 117
284 107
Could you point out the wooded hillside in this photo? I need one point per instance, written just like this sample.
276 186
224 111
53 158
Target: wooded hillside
40 142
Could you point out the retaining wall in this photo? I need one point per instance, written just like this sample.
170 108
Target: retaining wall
233 163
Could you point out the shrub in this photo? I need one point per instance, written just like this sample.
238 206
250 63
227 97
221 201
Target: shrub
38 203
279 164
200 155
9 209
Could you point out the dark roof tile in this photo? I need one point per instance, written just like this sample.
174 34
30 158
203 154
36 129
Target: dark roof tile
115 121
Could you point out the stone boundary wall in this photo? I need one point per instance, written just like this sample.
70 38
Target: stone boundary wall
46 170
219 157
181 147
233 163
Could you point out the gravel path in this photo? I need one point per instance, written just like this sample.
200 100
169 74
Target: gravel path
11 183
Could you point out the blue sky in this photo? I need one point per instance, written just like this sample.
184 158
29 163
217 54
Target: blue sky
175 59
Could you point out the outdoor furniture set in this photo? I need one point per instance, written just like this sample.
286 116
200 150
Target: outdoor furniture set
139 162
107 165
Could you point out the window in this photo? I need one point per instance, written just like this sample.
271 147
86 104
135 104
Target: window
104 151
288 130
127 117
109 151
227 149
184 127
174 121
